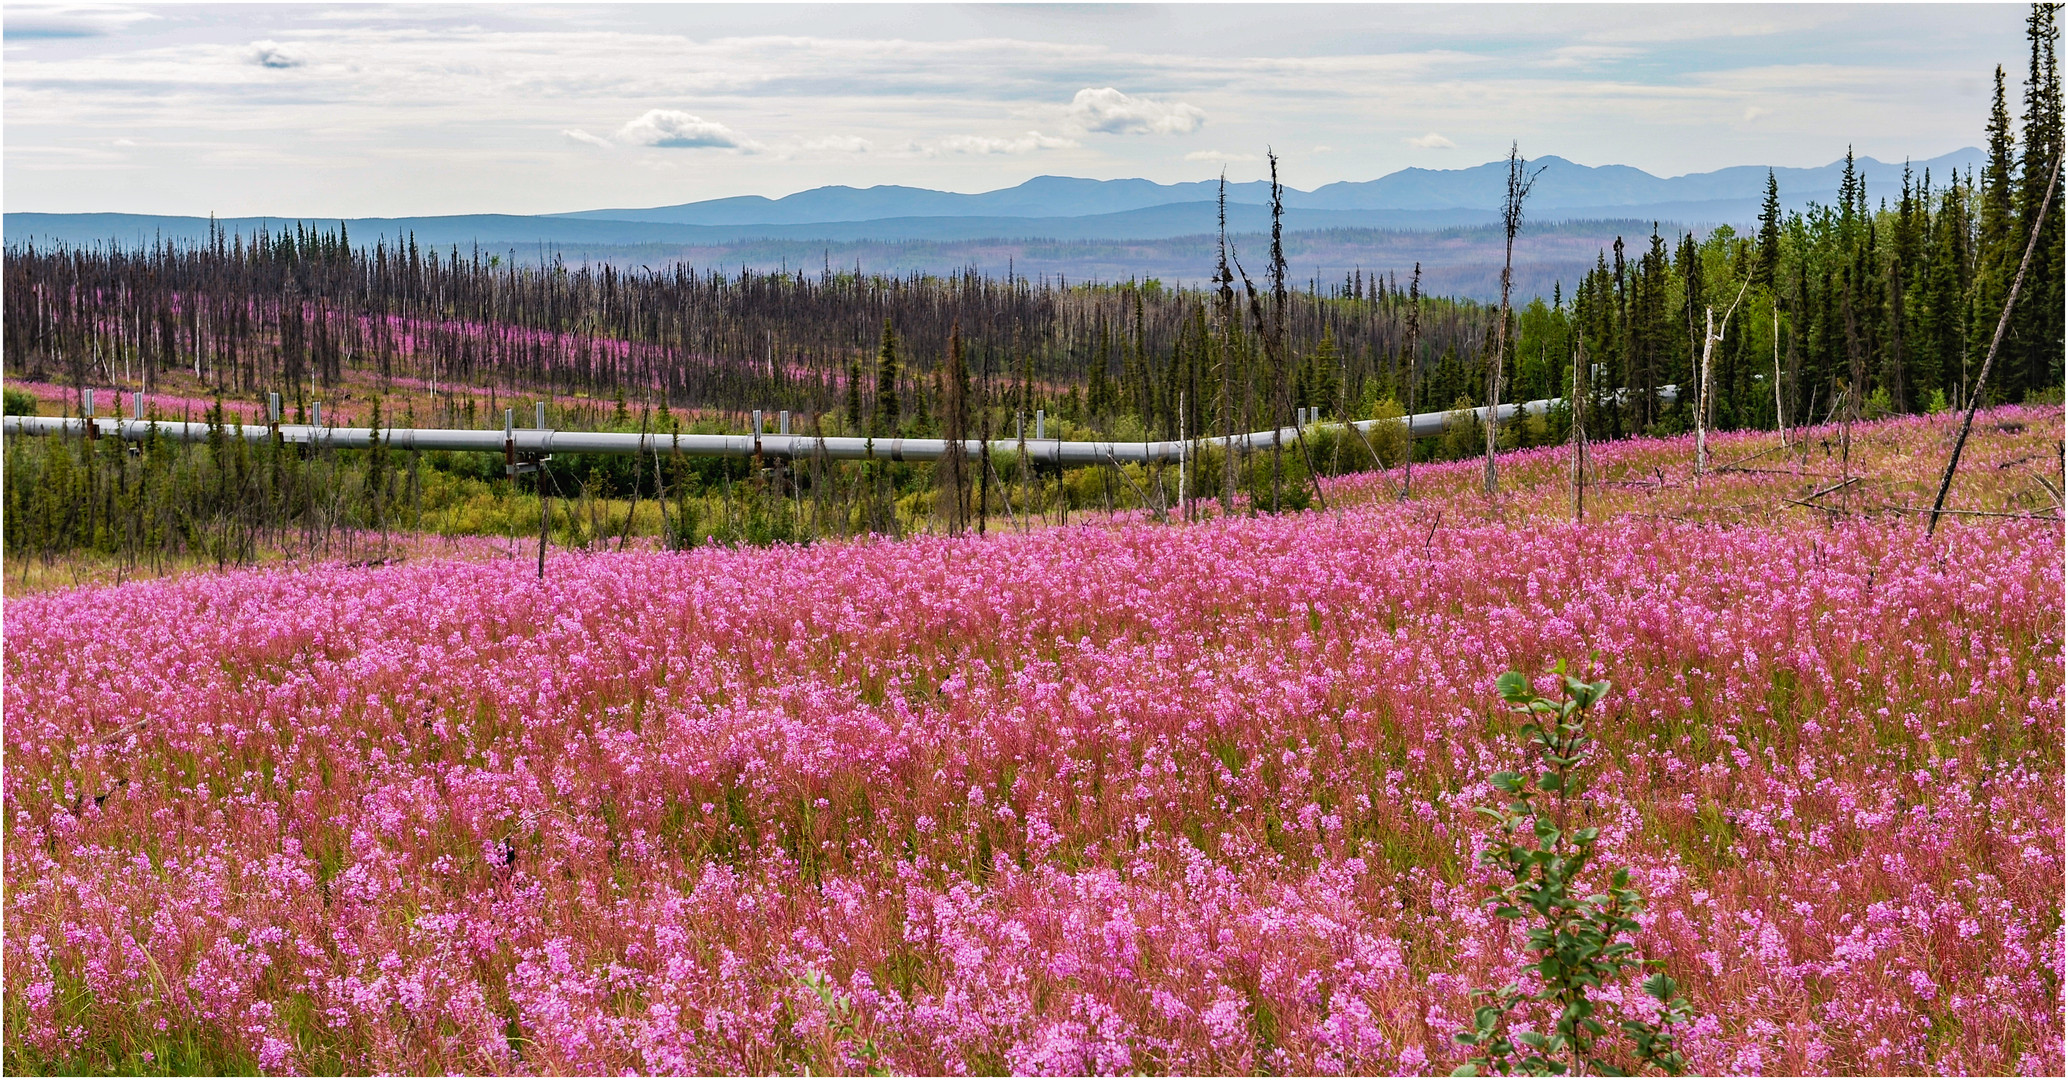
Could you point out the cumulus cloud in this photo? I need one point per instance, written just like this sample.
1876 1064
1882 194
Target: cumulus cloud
677 130
985 144
1111 112
581 136
1216 155
272 54
1432 141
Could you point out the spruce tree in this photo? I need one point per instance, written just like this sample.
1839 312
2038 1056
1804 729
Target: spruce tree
885 422
1769 234
1996 253
854 395
2033 348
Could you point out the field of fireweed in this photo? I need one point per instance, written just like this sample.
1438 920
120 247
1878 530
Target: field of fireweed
1117 797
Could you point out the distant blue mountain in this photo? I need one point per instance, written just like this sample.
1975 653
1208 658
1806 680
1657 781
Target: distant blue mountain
1563 186
1041 197
1063 209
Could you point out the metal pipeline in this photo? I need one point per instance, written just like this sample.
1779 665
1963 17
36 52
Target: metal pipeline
842 448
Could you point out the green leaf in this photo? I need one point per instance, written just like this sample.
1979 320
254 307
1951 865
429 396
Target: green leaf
1465 1070
1513 686
1551 782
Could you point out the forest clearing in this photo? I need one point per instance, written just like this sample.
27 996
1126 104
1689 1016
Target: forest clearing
1108 797
427 659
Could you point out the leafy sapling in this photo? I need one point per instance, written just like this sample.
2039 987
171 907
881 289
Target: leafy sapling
841 1017
1576 938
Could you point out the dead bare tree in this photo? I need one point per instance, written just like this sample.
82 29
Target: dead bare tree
1975 396
1519 183
1780 418
1712 334
1224 312
1275 360
954 398
1578 402
1276 331
1414 336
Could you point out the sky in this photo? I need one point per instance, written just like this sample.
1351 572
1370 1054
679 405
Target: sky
337 110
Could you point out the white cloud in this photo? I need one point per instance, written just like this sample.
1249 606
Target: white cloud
1432 141
419 110
985 144
272 54
677 130
1588 56
1217 155
72 20
1754 112
839 144
1108 110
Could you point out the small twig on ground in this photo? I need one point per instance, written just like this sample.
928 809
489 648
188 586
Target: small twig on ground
117 733
1845 483
1754 457
1969 513
2051 489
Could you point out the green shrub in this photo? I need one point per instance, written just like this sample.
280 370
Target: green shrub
1576 937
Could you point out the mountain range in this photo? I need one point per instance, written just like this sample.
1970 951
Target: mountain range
1085 228
1564 190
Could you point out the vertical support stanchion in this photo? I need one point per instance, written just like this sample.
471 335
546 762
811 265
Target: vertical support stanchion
93 430
757 450
316 414
1040 424
538 475
786 469
273 415
136 405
